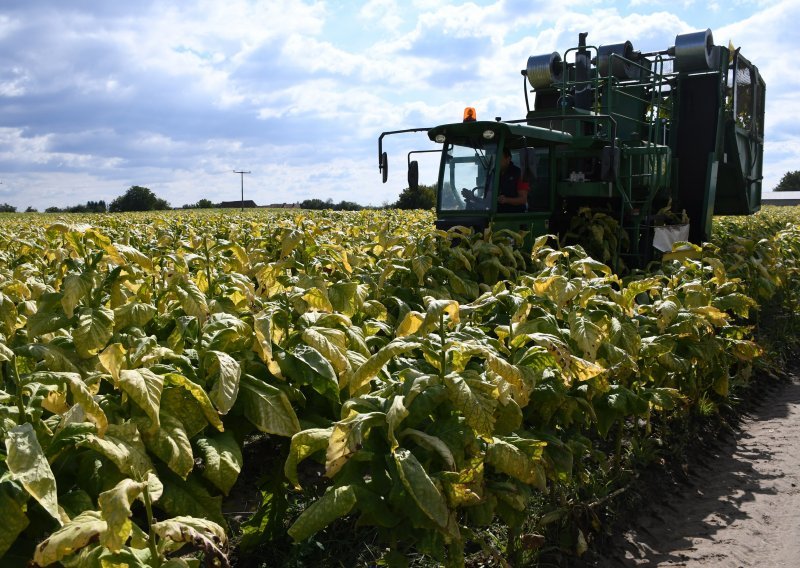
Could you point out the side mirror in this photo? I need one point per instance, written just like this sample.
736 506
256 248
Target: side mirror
385 166
413 175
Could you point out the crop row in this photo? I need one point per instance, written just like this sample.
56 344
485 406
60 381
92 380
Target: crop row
440 383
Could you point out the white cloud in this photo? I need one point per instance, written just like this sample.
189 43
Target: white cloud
177 95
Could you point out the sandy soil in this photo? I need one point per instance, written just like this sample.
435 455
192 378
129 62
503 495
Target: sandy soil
740 505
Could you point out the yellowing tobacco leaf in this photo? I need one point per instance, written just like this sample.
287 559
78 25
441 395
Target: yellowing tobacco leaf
347 437
144 387
224 372
303 445
28 465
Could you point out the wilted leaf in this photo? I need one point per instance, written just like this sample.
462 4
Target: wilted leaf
207 535
80 531
303 445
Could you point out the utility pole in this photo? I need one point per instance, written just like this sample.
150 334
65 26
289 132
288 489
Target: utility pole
242 176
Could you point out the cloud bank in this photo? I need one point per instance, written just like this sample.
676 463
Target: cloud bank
96 97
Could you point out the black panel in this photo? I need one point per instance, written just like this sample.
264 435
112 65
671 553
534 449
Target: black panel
698 109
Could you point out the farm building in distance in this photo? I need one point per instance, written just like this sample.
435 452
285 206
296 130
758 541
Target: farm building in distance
247 204
794 201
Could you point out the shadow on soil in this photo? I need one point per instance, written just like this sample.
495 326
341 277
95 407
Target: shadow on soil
673 513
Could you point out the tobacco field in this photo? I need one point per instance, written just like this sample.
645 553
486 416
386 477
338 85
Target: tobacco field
426 397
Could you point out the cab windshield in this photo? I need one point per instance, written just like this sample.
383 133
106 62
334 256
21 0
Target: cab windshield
467 178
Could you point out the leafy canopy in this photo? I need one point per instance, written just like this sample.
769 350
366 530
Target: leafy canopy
789 182
138 198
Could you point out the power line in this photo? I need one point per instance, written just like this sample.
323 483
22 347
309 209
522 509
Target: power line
242 175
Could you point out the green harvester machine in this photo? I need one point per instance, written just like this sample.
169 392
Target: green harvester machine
660 142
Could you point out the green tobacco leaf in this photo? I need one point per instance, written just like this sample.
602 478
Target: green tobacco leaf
475 399
74 289
268 408
223 460
332 354
12 504
66 436
227 333
189 497
347 437
123 445
199 395
432 443
586 334
133 314
115 507
95 326
618 403
28 465
303 445
52 357
662 398
80 531
169 443
80 395
369 370
267 523
509 459
421 488
739 304
394 417
336 502
144 387
345 298
49 316
224 372
192 299
305 365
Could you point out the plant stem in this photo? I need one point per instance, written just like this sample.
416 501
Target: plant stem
151 536
14 376
618 449
443 356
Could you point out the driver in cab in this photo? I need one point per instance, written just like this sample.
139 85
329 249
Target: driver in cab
513 194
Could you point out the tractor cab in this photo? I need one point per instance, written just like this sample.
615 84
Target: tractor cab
470 174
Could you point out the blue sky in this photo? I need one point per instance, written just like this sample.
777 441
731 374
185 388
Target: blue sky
97 96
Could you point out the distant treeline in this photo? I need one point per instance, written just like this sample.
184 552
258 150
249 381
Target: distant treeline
138 198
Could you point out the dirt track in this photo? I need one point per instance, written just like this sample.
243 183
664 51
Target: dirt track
741 504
